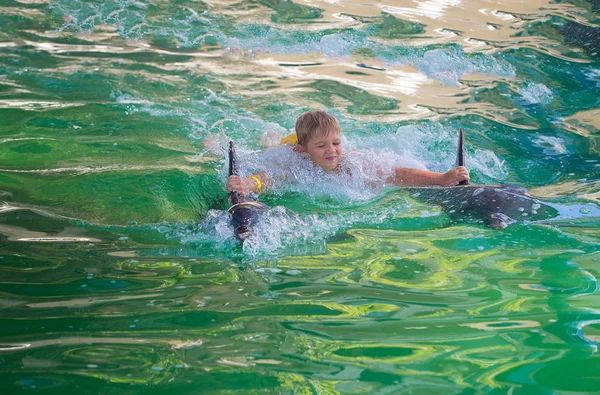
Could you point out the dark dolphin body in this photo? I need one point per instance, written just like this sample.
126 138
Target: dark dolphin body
496 205
244 211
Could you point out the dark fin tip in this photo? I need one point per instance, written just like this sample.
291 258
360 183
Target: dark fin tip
460 160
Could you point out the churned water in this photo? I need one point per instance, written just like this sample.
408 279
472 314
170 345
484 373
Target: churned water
120 272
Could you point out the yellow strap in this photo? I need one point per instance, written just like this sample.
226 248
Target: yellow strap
259 184
289 139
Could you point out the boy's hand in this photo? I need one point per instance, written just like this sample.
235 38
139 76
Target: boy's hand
452 177
241 185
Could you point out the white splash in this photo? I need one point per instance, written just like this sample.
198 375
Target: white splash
536 93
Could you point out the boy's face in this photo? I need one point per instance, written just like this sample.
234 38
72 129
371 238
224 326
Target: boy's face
326 150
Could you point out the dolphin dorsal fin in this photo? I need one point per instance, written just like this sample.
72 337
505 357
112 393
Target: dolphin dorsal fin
233 166
460 159
234 170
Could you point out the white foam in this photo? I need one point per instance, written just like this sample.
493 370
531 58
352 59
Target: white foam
594 76
536 93
291 172
287 41
448 66
551 145
281 231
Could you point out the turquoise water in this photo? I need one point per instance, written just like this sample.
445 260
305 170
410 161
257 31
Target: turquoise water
119 273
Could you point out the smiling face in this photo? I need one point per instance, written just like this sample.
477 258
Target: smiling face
325 150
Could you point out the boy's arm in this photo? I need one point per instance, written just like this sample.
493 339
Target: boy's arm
255 183
406 177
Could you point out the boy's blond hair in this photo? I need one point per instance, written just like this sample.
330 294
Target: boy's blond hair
315 124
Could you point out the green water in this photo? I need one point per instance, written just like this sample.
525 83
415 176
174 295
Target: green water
119 273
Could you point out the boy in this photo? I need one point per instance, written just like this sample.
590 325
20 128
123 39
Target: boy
318 135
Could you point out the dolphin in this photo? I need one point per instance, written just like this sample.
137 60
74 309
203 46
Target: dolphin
498 206
244 211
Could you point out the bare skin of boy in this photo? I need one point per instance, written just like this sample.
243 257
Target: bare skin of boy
325 150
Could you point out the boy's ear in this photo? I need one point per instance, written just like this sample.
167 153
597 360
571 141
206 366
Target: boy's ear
299 149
